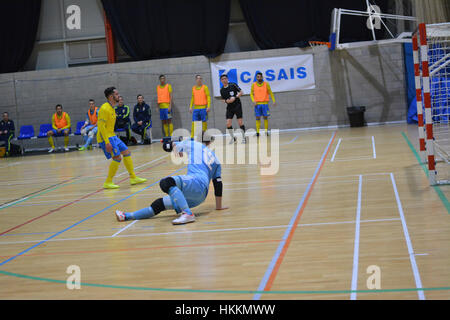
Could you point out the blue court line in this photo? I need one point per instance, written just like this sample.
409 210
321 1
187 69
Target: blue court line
81 221
293 140
277 254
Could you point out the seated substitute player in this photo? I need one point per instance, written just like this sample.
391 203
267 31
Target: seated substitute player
231 93
186 191
7 130
142 116
260 96
123 118
89 128
164 95
61 125
112 146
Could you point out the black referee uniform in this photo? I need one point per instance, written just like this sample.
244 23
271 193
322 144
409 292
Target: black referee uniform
234 108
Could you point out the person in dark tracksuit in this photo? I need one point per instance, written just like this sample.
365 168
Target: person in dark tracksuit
142 116
7 130
123 118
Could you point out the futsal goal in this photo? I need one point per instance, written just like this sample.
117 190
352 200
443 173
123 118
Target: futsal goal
431 45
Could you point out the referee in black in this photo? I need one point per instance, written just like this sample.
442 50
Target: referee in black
231 93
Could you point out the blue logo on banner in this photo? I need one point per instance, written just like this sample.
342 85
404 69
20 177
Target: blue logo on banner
232 76
269 75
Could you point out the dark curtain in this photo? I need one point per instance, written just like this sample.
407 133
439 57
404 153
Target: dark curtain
18 25
161 28
284 23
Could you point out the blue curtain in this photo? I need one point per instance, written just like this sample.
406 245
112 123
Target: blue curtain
410 83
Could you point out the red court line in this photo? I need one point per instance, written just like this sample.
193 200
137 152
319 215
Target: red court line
296 222
72 202
149 248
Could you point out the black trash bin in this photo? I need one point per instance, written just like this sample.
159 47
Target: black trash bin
356 116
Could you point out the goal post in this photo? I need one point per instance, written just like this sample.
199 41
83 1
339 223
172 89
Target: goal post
431 45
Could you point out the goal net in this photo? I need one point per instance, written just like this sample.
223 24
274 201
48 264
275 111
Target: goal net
433 84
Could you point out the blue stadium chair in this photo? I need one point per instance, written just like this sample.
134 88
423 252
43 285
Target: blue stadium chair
26 132
43 129
79 125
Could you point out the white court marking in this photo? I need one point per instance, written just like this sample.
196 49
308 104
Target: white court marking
124 228
373 148
194 231
412 259
336 149
356 246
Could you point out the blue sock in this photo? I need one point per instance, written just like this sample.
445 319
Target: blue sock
85 138
177 196
144 213
88 142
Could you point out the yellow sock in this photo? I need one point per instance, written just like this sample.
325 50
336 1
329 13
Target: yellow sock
266 124
128 162
258 125
204 126
112 170
170 129
192 129
66 141
50 140
166 129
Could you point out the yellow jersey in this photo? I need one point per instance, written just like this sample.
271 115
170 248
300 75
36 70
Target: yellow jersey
106 122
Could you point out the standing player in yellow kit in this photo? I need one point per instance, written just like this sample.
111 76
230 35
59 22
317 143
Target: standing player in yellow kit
259 94
112 146
164 95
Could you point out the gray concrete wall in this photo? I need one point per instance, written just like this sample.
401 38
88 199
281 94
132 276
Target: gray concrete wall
370 76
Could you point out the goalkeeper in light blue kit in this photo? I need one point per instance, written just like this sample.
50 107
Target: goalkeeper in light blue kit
186 191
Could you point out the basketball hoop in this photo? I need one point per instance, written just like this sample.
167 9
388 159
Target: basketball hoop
317 45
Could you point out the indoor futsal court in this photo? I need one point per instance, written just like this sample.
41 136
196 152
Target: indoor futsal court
330 184
251 151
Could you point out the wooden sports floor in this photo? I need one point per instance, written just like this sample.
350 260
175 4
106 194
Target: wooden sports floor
343 201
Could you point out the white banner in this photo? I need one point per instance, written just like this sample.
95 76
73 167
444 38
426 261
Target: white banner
282 73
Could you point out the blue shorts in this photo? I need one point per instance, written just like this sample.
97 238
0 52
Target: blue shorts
262 110
193 189
55 132
164 114
199 115
117 145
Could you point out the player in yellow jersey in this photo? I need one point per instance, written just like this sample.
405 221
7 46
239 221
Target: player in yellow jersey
260 96
200 104
164 95
112 146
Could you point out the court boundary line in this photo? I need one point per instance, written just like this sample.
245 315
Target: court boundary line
17 275
438 190
412 258
274 265
81 221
